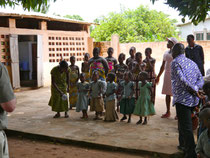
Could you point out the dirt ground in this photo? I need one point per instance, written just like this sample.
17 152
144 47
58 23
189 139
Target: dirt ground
25 148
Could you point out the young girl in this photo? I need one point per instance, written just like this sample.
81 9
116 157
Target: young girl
85 67
144 106
110 59
97 88
131 59
150 68
82 101
127 102
120 69
74 77
110 114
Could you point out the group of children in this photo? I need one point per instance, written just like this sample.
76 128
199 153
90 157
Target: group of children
129 87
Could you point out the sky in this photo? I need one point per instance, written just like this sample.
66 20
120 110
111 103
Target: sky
92 9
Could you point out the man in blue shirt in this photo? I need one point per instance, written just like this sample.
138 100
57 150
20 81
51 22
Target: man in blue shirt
195 53
186 81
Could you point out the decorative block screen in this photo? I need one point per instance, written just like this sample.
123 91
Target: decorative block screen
4 50
63 47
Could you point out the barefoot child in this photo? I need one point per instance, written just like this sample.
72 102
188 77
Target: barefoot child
82 101
97 88
203 146
85 67
111 114
74 77
110 59
144 105
127 102
120 69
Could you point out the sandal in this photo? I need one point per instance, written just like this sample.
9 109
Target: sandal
57 115
166 115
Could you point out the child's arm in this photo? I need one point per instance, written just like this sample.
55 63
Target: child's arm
82 69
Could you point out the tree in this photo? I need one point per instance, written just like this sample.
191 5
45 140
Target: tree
196 10
139 25
76 17
36 5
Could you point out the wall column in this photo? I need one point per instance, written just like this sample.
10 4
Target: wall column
115 44
12 23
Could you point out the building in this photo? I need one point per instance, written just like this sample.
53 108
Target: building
201 31
32 44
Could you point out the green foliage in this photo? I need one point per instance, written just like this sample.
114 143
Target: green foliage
76 17
139 25
36 5
196 10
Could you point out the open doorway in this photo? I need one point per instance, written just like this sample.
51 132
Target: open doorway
27 47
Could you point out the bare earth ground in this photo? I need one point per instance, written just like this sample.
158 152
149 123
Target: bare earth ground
24 148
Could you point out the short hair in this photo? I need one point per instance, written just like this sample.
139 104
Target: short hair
132 49
96 50
122 55
112 76
191 36
82 75
149 49
63 64
138 54
206 86
72 58
145 74
204 113
110 49
130 76
87 54
179 48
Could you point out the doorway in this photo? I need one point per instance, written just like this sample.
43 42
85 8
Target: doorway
27 48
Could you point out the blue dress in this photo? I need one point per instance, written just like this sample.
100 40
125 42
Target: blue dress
82 101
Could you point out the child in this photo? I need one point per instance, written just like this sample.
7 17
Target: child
82 101
203 146
127 102
144 106
120 69
97 88
131 59
73 77
150 68
110 59
110 114
85 67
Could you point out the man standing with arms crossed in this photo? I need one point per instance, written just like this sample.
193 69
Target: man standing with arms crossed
7 104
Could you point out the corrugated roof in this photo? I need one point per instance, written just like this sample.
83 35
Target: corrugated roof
43 17
180 25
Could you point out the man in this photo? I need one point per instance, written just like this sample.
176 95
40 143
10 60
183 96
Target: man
195 53
7 104
186 81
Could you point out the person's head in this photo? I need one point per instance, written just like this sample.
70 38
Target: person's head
171 42
143 76
82 77
148 52
63 66
206 88
127 76
95 76
96 52
86 56
132 51
205 117
72 60
177 50
121 57
190 40
138 57
111 77
110 51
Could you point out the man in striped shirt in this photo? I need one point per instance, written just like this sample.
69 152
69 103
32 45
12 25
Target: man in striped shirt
186 81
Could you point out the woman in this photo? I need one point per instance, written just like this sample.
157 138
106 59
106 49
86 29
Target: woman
59 85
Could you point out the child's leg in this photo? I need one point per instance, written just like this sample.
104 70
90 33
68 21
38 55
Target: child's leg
123 118
85 114
145 121
57 115
66 115
140 120
129 119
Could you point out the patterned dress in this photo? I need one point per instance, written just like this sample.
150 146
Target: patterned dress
73 76
111 63
56 101
82 101
144 105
